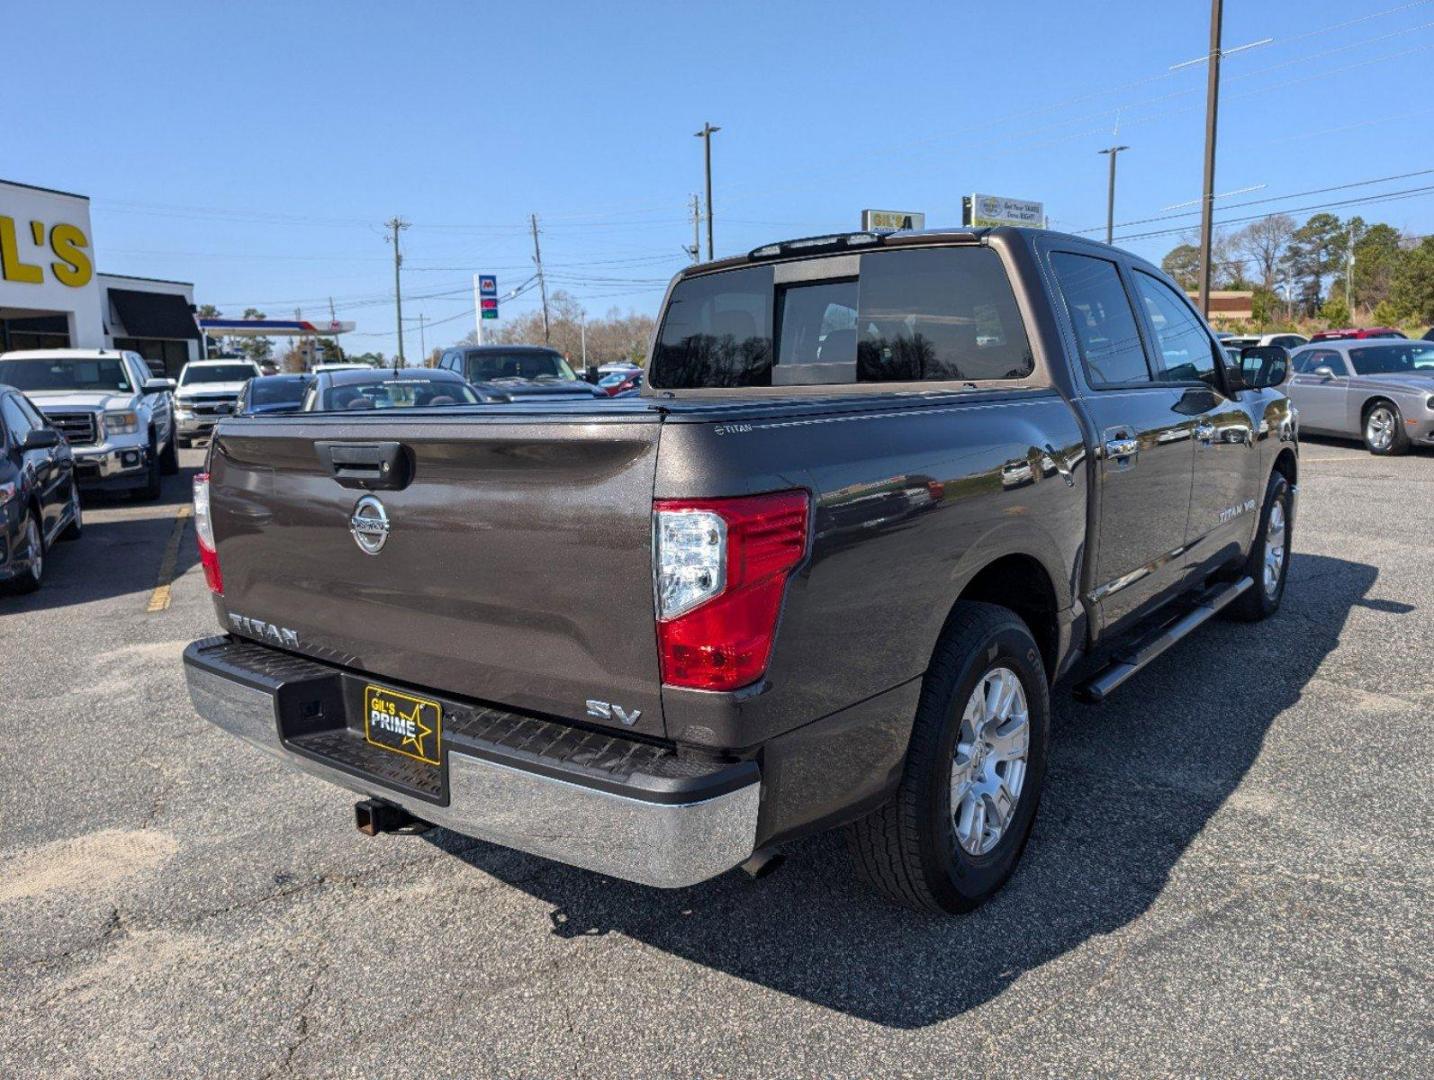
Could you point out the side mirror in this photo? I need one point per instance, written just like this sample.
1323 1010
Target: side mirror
41 439
1324 371
158 386
1264 367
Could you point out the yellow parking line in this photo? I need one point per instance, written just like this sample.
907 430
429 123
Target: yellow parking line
159 599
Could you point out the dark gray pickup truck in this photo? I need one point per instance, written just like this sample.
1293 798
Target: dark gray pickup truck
881 493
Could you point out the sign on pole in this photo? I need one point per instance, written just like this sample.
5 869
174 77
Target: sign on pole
488 293
987 211
893 219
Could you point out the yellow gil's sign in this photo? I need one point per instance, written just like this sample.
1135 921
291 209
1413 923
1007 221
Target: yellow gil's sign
72 264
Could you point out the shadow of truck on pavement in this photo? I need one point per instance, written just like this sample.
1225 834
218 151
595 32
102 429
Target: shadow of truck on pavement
1131 784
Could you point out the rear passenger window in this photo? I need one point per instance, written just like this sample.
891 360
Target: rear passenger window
939 314
1186 353
717 332
1104 322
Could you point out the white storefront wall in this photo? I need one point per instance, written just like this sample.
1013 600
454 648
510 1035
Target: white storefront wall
47 261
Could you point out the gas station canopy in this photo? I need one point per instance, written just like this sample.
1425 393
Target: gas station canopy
272 328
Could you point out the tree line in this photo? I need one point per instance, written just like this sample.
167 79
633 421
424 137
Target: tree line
610 338
1304 271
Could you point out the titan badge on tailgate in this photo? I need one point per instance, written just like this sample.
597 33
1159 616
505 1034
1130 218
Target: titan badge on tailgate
405 724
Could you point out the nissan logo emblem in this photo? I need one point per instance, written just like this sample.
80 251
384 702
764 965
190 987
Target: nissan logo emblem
369 525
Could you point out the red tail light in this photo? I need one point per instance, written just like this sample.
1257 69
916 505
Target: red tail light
204 534
722 567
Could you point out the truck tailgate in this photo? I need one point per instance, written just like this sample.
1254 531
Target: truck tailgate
517 567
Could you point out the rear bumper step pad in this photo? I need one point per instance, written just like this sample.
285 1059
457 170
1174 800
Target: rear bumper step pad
620 806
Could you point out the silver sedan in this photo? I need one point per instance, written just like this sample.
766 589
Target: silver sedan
1380 391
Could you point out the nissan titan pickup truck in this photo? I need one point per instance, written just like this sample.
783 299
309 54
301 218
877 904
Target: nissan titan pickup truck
880 494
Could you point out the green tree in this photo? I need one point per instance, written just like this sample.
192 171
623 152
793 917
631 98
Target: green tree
1315 252
1182 263
1334 313
1376 255
209 311
1412 288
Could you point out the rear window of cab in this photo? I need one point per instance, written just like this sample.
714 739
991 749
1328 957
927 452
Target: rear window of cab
921 315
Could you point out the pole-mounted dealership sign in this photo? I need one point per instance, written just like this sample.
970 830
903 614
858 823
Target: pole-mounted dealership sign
987 211
892 219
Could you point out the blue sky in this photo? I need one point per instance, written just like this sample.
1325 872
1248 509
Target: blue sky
255 149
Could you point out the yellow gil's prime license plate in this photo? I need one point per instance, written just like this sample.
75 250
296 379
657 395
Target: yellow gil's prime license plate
405 724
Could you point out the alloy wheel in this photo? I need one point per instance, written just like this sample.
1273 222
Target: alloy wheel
34 548
1379 428
988 769
1274 548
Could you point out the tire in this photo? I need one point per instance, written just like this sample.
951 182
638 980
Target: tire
30 579
1383 429
1262 599
917 850
154 480
76 528
169 458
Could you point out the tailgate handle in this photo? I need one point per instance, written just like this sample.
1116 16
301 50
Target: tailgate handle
386 466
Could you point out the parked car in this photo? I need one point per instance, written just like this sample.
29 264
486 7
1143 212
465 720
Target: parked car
621 382
518 371
39 497
1284 340
656 637
1379 391
117 418
209 389
389 388
270 394
1357 333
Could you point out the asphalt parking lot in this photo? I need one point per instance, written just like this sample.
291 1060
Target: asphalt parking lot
1230 874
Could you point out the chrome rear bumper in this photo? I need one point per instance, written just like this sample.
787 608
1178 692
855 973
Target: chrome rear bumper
613 828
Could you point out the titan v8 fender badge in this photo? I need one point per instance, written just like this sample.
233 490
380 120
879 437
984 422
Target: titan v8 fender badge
369 525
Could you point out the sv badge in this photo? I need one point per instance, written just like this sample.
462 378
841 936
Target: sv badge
605 710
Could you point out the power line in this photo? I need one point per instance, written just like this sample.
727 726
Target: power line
1267 199
1367 200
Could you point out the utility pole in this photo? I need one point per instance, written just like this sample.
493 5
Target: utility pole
542 281
1348 280
422 341
1114 152
1212 104
585 340
706 136
397 225
695 251
333 320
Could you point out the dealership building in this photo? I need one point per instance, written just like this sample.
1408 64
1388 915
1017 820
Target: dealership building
52 295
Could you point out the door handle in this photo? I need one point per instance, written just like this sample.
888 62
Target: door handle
1205 431
1121 448
386 466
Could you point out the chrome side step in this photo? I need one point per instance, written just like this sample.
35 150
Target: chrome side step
1126 663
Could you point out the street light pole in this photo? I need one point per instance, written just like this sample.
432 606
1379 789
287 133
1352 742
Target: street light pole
1212 104
1114 152
706 136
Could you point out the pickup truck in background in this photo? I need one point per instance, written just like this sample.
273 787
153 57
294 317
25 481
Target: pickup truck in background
880 494
117 417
